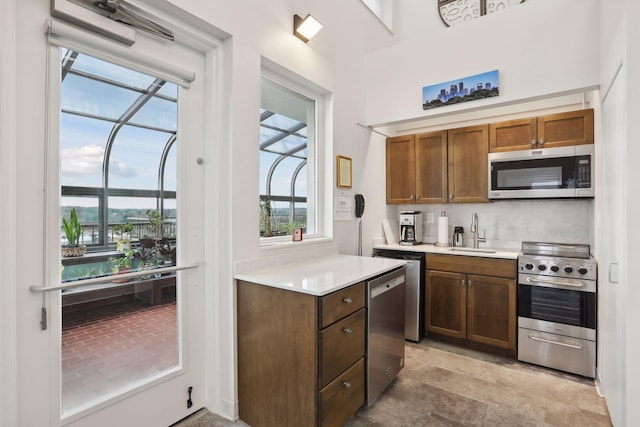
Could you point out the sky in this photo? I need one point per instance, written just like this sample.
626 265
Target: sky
136 151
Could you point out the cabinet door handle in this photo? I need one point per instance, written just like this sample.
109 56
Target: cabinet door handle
347 330
541 142
462 282
347 300
468 282
450 196
346 384
533 142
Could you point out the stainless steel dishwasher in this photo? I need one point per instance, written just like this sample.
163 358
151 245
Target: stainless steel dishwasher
414 290
385 330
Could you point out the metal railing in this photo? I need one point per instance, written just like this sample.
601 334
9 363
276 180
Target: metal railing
141 229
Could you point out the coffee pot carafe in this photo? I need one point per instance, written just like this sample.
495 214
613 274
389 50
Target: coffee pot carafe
458 236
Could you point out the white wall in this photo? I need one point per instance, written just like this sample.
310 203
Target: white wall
633 212
539 48
619 48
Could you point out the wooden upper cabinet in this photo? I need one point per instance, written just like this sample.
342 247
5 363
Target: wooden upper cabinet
468 150
513 135
553 130
431 167
559 130
401 175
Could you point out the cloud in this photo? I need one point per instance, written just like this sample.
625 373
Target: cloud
119 168
87 161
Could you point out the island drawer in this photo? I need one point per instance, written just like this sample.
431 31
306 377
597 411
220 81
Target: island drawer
340 345
341 303
341 399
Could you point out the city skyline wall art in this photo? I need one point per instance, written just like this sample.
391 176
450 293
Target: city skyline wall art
471 88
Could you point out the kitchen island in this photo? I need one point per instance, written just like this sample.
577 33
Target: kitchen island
301 340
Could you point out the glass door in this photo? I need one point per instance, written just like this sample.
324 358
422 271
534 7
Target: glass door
118 156
121 301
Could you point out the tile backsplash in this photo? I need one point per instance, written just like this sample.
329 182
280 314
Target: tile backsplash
507 223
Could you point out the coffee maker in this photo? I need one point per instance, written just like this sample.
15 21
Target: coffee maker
410 228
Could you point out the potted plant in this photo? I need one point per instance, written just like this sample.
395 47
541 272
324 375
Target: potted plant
121 264
265 211
124 236
156 221
73 230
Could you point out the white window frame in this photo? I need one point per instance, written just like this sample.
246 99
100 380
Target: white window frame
383 10
319 208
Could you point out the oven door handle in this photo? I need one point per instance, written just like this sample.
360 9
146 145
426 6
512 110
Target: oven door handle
534 338
555 282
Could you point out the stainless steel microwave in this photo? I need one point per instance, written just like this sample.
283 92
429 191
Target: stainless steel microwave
563 172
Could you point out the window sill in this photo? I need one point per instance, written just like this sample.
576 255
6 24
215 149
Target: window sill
288 243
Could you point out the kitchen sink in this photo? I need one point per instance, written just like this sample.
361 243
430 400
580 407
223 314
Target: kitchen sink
484 251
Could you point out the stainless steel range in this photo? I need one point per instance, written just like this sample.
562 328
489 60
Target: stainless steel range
557 307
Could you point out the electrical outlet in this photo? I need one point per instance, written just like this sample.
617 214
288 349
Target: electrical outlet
430 218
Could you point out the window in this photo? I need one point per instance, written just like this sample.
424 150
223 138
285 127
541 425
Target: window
117 150
382 9
288 156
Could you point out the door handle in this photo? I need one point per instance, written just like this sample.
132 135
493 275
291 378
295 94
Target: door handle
613 272
555 282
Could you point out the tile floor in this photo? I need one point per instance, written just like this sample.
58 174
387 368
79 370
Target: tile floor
443 385
111 347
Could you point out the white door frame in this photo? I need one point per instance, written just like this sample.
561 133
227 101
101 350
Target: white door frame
8 338
37 366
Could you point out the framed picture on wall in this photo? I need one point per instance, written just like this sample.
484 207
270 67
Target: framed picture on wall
343 169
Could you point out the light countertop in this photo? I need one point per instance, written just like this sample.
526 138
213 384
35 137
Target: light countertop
431 248
321 276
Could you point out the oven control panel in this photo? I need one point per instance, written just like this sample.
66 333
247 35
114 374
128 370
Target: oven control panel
576 268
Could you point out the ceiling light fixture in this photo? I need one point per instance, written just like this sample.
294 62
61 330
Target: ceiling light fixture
305 28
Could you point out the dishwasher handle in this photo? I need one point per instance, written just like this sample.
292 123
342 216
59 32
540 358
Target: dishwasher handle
387 286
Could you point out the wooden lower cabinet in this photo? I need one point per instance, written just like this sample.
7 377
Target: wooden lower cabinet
300 357
468 307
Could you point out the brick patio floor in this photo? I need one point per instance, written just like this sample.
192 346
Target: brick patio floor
109 348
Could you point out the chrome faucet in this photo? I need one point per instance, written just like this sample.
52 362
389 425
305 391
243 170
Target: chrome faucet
474 231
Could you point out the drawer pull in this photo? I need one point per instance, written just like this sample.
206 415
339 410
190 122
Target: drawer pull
347 330
347 300
535 338
346 384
